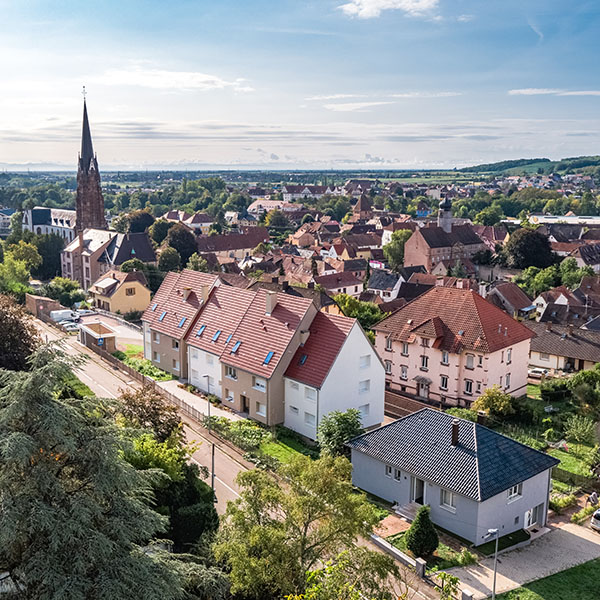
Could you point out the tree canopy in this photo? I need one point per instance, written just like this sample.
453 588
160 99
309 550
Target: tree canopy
394 251
19 337
180 238
336 429
169 259
528 248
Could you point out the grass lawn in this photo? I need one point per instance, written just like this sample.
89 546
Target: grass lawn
569 461
577 583
562 488
533 391
443 558
506 541
285 447
134 351
382 507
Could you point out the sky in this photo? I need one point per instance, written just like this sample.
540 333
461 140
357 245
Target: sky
298 84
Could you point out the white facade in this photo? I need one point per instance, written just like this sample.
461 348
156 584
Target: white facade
355 380
60 221
204 371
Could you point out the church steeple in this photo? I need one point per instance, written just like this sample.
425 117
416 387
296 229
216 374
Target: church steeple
89 203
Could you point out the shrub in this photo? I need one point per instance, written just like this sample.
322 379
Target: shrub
583 514
422 538
467 558
336 429
559 503
214 400
119 354
463 413
133 315
245 434
494 402
555 390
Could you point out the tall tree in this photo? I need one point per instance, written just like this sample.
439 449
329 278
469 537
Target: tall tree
75 514
197 263
336 429
528 248
49 246
27 253
394 251
159 229
19 336
276 219
169 259
183 240
65 290
139 220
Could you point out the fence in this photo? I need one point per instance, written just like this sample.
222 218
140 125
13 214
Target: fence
120 320
586 483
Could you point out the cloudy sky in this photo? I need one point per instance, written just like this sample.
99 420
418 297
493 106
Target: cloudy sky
298 83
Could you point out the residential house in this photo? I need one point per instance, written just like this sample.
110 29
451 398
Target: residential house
449 345
385 284
233 245
389 230
563 347
5 216
119 292
511 298
472 478
199 223
299 192
340 283
264 205
588 255
561 295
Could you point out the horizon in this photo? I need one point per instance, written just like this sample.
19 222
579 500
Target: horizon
358 85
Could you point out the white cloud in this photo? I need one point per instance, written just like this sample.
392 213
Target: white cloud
581 93
536 30
552 92
369 9
465 18
161 79
352 106
336 97
426 95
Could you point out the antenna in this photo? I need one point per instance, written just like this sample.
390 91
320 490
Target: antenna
83 93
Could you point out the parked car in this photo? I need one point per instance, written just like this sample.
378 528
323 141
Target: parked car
64 315
537 373
595 522
69 325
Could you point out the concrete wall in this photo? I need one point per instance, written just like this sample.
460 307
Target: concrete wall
162 354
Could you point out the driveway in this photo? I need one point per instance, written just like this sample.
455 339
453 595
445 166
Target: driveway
561 548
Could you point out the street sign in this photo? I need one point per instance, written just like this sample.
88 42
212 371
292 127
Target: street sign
100 341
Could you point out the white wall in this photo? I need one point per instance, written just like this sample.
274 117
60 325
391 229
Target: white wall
204 363
147 342
298 404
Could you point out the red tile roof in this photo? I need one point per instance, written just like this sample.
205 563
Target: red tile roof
337 280
460 320
327 336
171 300
233 241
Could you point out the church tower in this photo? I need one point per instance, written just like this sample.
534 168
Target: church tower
445 215
89 202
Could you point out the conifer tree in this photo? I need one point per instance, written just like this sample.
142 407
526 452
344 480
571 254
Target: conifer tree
422 538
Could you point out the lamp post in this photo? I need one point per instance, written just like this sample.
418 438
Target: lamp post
212 452
496 533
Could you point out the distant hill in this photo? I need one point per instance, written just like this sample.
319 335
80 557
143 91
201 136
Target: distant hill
589 164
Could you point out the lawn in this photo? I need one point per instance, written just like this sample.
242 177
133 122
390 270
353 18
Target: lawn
562 488
533 390
577 583
506 541
569 461
443 558
134 351
285 444
142 365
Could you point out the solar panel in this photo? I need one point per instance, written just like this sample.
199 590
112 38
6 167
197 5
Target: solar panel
268 358
162 316
201 330
216 336
235 347
182 322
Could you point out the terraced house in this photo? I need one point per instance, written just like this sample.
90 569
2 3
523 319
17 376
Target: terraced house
267 354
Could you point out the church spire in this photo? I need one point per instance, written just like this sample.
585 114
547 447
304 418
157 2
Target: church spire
87 150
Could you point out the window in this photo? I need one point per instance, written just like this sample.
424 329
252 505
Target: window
500 383
388 343
194 354
388 471
424 363
228 395
200 330
156 337
268 358
544 356
294 385
517 520
230 372
364 386
403 372
444 382
229 338
163 315
509 356
175 344
130 291
261 409
468 387
216 336
309 419
404 349
302 359
470 361
156 357
480 361
397 474
388 366
515 491
502 356
478 390
310 394
236 347
507 381
175 364
294 410
447 500
445 358
154 307
181 323
364 410
258 383
425 342
365 361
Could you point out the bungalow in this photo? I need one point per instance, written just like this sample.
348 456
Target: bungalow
473 478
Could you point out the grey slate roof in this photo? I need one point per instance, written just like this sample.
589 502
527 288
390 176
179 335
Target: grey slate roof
382 280
483 464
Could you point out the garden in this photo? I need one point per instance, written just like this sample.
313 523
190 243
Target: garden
133 357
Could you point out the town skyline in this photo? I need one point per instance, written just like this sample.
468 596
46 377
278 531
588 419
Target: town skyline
335 84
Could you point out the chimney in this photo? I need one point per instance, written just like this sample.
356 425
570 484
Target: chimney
310 285
455 423
205 293
271 302
481 417
304 333
548 326
186 293
285 285
570 328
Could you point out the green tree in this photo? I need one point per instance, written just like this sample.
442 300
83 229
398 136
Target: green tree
49 246
276 219
19 337
580 430
394 251
494 402
261 248
336 429
66 291
153 274
422 538
366 313
27 253
159 229
197 263
307 218
169 259
571 275
120 224
14 277
16 228
75 516
528 248
139 221
273 534
180 238
491 215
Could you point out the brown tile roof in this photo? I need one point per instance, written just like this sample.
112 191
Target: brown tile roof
337 280
170 305
460 320
562 340
514 295
116 279
233 241
312 362
436 237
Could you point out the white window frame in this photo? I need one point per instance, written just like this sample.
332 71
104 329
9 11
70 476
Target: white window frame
259 383
404 350
469 387
294 410
424 363
231 372
509 356
156 357
403 372
445 357
470 361
388 471
156 337
310 394
388 367
364 409
397 474
515 492
365 361
364 386
544 356
388 343
448 500
443 386
310 419
261 409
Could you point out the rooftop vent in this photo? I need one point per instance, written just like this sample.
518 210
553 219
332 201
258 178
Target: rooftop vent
455 424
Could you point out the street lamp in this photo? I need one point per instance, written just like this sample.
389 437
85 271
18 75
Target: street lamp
212 470
494 533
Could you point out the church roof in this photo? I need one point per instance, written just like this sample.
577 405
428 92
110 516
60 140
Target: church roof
87 150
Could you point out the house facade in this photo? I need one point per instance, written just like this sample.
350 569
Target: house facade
119 292
449 345
474 479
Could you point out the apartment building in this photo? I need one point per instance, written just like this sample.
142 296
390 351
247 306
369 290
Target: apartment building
449 345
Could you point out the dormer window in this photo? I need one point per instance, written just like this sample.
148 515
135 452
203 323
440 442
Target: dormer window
425 342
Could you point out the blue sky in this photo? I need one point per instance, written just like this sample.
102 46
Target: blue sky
299 83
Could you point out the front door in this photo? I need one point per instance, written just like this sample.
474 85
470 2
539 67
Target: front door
209 384
418 490
245 404
424 390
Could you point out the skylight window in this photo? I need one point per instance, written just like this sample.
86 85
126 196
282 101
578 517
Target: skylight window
181 323
162 316
216 336
268 358
236 347
302 359
154 307
201 330
229 338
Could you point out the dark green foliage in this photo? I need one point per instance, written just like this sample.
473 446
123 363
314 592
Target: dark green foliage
528 248
169 260
463 413
336 429
555 390
159 229
19 337
139 221
49 246
66 291
181 239
154 276
72 387
366 313
422 538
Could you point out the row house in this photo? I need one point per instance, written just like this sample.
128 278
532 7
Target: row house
199 223
449 345
270 355
345 282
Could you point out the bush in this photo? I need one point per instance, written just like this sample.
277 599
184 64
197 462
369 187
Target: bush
245 434
336 429
583 514
422 538
559 503
214 400
133 315
463 413
555 390
119 354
